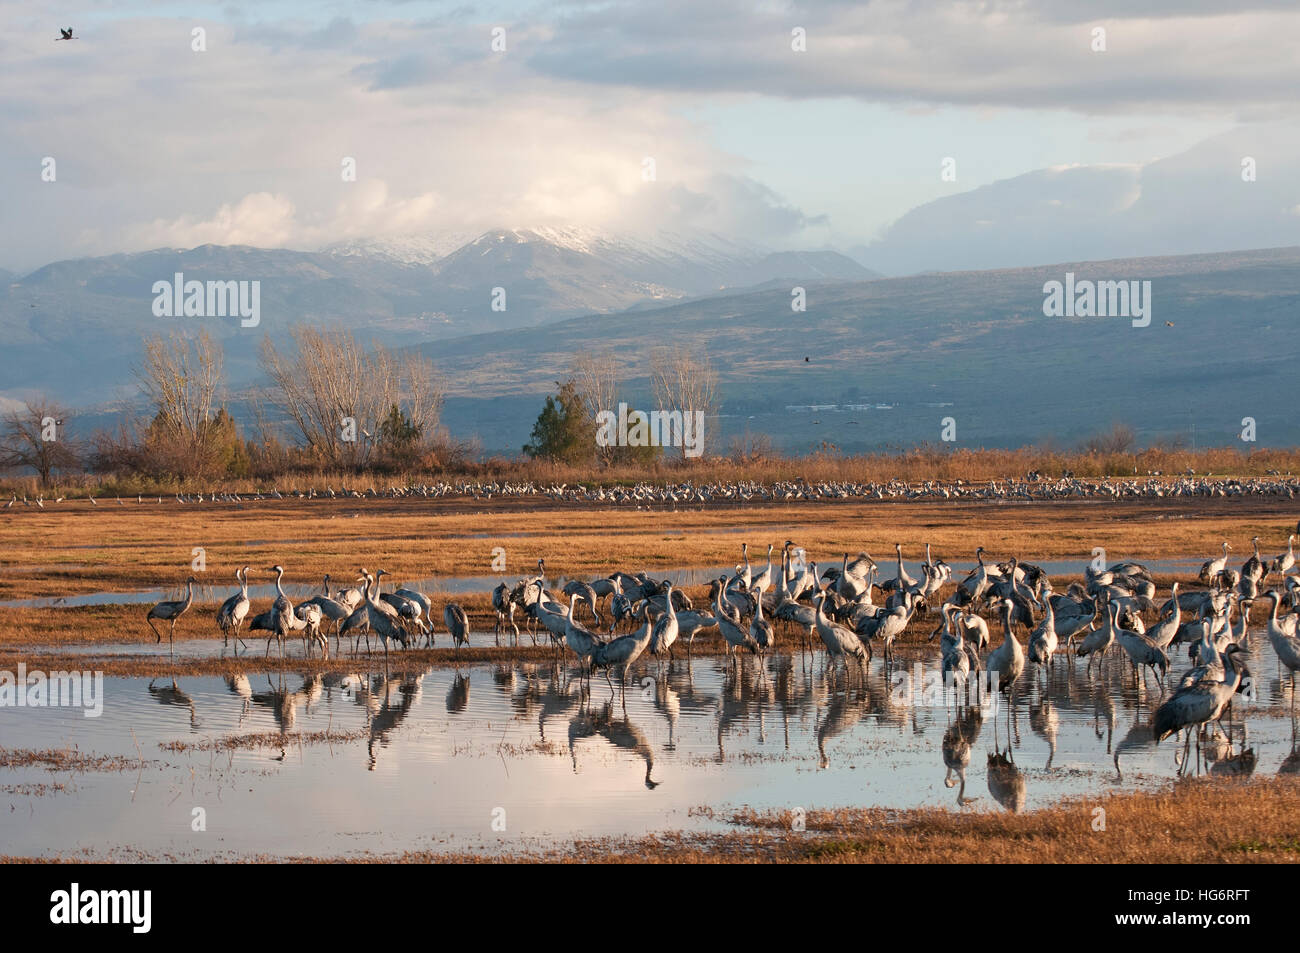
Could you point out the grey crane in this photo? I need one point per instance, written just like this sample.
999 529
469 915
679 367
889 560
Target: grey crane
1285 642
623 652
456 620
231 615
760 629
1196 705
371 615
1008 659
840 642
503 604
1043 639
171 612
1211 569
729 625
577 637
666 628
1143 652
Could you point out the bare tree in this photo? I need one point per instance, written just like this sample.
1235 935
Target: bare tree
683 380
598 375
338 394
34 437
181 378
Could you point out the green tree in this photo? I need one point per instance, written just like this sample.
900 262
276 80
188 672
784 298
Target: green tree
565 431
400 439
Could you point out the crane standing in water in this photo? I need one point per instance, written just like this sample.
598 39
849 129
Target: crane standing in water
171 612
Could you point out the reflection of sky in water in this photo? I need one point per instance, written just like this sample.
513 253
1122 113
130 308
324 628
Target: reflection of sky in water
438 751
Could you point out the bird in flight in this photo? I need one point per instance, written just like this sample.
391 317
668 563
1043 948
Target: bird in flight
66 34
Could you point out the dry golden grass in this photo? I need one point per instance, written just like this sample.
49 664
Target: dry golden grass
75 548
85 549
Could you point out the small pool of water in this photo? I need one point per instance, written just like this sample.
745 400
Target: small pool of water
518 756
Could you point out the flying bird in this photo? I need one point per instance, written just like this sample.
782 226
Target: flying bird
66 34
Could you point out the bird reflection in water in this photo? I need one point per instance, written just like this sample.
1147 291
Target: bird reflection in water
956 747
458 694
173 695
619 732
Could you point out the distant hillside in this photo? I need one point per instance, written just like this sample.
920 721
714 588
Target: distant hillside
972 345
92 312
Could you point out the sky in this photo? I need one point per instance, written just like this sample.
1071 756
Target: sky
1134 149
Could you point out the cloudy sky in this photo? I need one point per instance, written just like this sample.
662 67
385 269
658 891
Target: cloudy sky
1061 152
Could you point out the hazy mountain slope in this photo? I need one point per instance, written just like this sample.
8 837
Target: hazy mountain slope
976 343
92 312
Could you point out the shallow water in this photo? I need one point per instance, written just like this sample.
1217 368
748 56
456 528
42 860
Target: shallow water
430 759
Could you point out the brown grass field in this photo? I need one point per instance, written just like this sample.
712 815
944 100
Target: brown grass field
75 548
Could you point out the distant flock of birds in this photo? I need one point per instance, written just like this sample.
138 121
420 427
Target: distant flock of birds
850 611
1032 487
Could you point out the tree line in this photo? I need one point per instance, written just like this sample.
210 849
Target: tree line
339 406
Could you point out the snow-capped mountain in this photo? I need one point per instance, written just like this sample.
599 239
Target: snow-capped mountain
666 264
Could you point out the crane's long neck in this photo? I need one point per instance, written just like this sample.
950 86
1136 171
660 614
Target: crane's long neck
243 583
672 611
279 573
189 592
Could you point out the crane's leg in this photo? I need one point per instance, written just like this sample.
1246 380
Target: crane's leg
158 635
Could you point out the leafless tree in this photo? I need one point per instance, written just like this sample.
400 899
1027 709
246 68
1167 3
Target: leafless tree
337 394
683 380
34 437
598 375
182 378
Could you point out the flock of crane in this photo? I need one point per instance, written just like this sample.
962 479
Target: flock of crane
852 610
1033 486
